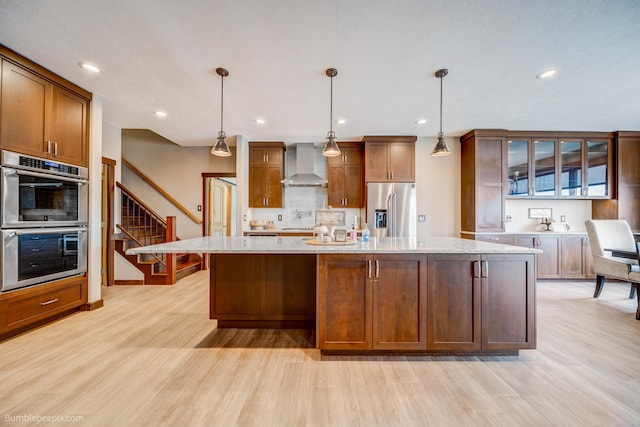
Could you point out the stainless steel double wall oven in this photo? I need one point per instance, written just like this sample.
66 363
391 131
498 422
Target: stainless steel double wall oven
44 214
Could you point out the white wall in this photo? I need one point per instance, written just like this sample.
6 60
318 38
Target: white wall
575 211
94 244
438 189
178 170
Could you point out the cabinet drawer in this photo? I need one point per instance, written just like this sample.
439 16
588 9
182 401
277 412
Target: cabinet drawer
25 309
505 239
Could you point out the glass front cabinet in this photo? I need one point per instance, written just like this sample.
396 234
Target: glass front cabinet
564 166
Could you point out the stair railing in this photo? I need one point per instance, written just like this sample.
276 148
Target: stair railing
145 227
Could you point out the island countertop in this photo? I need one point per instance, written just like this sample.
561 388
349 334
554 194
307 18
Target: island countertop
297 245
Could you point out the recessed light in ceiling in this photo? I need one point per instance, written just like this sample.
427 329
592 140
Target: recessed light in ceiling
421 121
341 121
261 121
89 67
160 114
546 74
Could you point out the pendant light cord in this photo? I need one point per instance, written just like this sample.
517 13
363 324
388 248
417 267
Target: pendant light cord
331 108
222 102
441 105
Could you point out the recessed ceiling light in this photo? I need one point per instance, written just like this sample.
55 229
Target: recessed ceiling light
261 121
160 114
89 67
421 121
546 74
341 121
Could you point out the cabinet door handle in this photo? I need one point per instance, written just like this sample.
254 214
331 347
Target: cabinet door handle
377 269
48 146
51 301
267 159
55 148
369 262
476 273
484 268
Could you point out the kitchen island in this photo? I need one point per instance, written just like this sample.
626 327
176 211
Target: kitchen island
435 295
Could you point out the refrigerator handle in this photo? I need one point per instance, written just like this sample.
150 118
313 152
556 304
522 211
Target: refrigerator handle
392 215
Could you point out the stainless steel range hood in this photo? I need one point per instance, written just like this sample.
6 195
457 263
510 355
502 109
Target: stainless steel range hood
305 173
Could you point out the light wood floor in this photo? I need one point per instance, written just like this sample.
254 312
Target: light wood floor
151 357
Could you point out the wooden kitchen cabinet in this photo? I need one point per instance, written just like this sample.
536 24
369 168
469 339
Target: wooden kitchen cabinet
345 180
481 302
508 302
266 172
41 114
263 291
483 181
389 158
368 302
548 262
25 307
399 302
344 303
576 257
625 203
453 303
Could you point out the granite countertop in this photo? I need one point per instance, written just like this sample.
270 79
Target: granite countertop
297 245
280 231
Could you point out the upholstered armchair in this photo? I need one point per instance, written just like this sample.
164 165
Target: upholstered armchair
606 234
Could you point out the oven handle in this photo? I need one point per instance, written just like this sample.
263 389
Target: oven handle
13 233
12 172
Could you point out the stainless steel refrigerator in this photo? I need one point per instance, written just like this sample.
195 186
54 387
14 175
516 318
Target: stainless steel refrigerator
391 209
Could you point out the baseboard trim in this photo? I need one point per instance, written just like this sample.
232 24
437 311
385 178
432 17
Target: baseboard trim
129 282
90 306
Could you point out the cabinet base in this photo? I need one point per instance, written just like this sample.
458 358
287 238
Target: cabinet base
267 324
416 353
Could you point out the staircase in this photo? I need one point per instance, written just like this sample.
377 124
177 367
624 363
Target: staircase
142 227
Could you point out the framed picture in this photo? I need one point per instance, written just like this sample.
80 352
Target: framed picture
341 235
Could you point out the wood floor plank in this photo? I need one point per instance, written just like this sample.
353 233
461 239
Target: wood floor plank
151 356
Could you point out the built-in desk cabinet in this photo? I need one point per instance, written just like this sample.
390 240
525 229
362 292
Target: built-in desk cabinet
389 158
564 256
40 113
345 177
266 172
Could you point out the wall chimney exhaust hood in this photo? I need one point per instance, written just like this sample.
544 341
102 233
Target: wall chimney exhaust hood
305 173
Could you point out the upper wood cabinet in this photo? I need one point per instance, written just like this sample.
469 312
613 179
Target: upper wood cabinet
42 114
483 180
563 165
345 183
389 158
625 201
266 172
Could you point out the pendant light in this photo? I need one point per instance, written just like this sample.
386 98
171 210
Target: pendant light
221 148
441 148
331 148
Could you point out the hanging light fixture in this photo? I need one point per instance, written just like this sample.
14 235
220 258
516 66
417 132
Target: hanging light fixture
441 148
221 148
331 148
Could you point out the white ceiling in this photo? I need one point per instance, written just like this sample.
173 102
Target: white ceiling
162 55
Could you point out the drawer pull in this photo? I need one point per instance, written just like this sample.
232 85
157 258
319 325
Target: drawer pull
51 301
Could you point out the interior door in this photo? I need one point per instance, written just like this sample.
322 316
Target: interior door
218 221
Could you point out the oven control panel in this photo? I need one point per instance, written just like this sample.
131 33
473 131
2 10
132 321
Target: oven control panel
17 160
